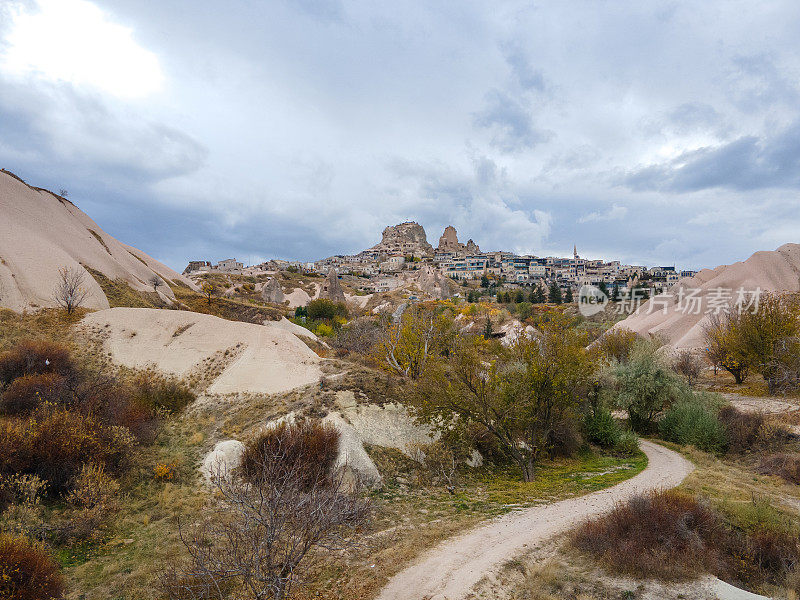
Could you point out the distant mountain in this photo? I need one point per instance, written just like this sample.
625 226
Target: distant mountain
681 314
41 232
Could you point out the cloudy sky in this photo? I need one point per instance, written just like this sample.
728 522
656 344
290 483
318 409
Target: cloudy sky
648 131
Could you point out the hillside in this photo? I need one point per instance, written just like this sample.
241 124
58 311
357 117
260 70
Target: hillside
682 326
41 232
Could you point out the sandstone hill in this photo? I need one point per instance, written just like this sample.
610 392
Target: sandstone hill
41 232
681 313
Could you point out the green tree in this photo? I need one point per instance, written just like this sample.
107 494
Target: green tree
538 295
603 287
615 293
568 297
323 309
521 396
484 281
519 296
554 294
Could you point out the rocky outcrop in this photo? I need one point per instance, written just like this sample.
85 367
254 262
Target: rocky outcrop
449 243
42 233
272 292
406 239
332 289
433 283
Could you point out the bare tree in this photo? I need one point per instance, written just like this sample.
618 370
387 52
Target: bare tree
70 292
156 282
688 364
63 193
256 537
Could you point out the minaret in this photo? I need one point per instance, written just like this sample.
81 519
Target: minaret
575 251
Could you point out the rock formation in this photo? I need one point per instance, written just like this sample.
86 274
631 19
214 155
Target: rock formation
332 289
449 243
404 239
681 313
431 282
42 232
272 292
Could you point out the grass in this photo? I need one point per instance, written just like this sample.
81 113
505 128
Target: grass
120 293
227 308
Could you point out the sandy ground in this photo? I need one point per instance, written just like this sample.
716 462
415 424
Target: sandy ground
265 359
770 405
449 571
41 233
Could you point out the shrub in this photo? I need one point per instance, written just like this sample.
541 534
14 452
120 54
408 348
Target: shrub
55 444
785 465
647 387
27 572
693 422
94 498
31 357
26 393
627 444
663 534
165 472
161 392
309 448
746 431
617 344
323 309
360 336
601 428
689 365
324 330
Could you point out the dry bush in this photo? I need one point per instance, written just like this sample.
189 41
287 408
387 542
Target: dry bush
308 448
746 432
31 357
688 364
361 336
617 344
20 503
27 572
784 465
257 535
56 443
158 391
94 498
668 535
25 394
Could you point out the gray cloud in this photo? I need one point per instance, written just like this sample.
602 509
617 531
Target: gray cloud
509 122
747 163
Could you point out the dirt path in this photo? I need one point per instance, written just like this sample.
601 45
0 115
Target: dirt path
449 571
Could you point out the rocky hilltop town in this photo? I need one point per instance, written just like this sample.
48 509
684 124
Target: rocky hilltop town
404 250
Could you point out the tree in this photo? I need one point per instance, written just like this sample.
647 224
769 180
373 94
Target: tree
209 290
323 309
259 531
538 295
519 297
156 282
646 387
487 329
617 343
484 281
762 333
603 288
409 342
615 292
70 292
522 396
723 345
568 297
63 193
554 294
688 365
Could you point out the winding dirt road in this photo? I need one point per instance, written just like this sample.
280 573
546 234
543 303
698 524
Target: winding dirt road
450 570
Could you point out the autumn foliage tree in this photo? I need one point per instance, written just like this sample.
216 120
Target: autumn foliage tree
410 341
521 396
